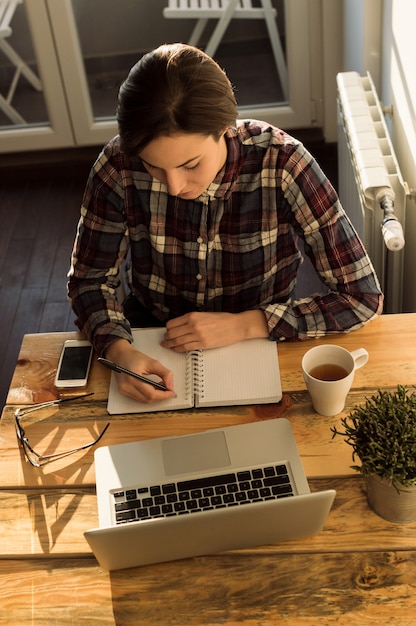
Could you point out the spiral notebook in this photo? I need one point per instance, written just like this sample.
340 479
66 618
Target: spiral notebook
243 373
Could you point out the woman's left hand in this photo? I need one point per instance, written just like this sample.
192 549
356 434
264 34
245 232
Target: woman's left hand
197 330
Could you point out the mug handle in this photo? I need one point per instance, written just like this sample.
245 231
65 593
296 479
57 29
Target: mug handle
360 357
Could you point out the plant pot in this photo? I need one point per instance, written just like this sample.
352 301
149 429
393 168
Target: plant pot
392 506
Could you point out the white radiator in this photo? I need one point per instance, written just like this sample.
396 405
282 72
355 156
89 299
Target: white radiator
371 188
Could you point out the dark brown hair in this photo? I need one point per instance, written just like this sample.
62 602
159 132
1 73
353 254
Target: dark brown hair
176 88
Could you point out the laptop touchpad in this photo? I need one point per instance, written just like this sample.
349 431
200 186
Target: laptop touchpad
194 453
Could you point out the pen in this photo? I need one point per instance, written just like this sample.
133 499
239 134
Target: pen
123 370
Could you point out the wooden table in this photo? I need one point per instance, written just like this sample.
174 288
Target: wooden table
360 570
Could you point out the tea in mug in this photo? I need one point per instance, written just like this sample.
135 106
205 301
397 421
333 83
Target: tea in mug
328 372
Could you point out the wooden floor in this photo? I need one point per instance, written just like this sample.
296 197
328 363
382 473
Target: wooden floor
40 196
39 211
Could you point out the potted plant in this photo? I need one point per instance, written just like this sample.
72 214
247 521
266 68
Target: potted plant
382 434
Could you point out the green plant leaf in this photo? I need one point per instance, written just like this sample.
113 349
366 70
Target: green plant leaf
382 434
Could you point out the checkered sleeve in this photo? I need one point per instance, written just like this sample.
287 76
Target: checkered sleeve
99 251
353 294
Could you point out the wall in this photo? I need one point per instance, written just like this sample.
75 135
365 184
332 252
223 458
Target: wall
362 37
332 31
399 90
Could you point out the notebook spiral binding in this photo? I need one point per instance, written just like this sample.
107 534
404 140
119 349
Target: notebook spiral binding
196 373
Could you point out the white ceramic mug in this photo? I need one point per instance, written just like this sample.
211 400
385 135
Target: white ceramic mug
328 372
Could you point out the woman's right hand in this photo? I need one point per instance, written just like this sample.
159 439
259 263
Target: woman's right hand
124 354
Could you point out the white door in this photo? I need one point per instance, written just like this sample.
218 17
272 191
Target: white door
33 116
84 49
101 34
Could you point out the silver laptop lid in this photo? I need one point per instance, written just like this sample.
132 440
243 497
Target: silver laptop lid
205 532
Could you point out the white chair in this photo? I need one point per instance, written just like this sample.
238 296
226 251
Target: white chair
225 11
7 10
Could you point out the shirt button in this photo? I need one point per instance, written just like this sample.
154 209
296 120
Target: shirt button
200 240
199 276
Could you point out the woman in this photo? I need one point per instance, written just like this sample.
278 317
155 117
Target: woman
210 210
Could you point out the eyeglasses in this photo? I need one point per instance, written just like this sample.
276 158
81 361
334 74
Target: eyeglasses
38 460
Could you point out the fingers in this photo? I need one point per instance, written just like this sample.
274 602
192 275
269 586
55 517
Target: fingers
144 392
140 363
200 330
188 332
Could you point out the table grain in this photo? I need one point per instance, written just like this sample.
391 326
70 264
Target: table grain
360 570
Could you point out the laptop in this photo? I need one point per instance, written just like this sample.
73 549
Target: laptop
223 489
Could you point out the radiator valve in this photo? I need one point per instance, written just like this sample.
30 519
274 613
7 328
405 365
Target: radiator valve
390 227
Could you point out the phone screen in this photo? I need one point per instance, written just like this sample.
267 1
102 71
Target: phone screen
75 363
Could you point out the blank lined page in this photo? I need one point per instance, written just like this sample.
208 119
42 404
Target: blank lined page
243 373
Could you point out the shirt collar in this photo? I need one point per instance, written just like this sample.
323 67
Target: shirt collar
222 185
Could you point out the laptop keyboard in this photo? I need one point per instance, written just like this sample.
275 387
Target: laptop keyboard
202 494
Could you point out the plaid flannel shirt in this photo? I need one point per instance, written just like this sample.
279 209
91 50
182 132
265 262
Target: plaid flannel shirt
234 248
